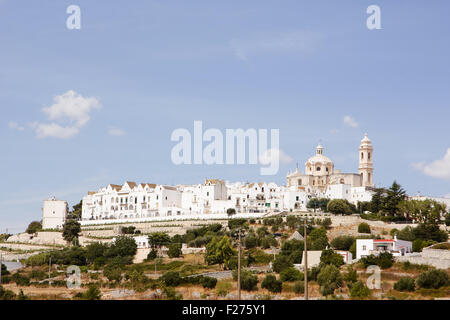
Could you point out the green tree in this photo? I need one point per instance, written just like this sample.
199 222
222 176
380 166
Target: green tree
342 242
433 279
95 250
171 278
34 227
152 255
364 228
75 214
359 290
405 284
174 250
378 199
113 273
351 276
271 283
219 251
331 257
428 231
281 263
394 195
339 206
231 212
291 274
249 281
71 230
329 279
158 239
123 246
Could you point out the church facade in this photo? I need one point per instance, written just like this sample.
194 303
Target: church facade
320 172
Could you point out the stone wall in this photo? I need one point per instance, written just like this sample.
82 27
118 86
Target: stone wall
434 257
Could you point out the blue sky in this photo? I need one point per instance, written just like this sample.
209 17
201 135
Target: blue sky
155 66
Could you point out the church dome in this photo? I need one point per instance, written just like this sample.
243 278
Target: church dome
319 157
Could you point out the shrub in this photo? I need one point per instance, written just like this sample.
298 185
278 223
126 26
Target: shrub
171 279
20 279
113 273
385 260
271 283
208 282
351 276
291 274
329 279
339 206
299 287
281 263
405 284
6 294
364 228
222 288
34 227
359 290
433 279
236 223
4 270
331 257
342 242
249 281
93 293
174 250
152 255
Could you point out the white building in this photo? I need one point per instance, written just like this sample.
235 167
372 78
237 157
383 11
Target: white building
54 214
366 247
320 172
145 201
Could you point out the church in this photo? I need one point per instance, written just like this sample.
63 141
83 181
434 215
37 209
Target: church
320 173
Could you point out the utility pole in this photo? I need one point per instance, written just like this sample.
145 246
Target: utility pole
239 265
306 260
49 269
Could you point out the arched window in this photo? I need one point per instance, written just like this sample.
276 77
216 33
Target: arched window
299 182
368 156
362 155
318 169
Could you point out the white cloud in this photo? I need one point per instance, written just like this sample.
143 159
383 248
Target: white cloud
55 130
439 169
15 126
270 156
116 132
351 122
295 41
70 112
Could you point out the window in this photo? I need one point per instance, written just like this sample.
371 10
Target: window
318 169
296 198
364 248
299 182
207 194
368 155
362 155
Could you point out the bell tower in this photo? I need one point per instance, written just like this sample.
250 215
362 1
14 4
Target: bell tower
365 168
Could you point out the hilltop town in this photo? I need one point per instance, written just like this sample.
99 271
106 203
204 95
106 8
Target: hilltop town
325 234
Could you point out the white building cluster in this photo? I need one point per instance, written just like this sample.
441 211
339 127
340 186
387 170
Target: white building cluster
214 196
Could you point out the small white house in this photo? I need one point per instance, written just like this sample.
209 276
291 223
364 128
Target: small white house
54 213
141 241
347 255
366 247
